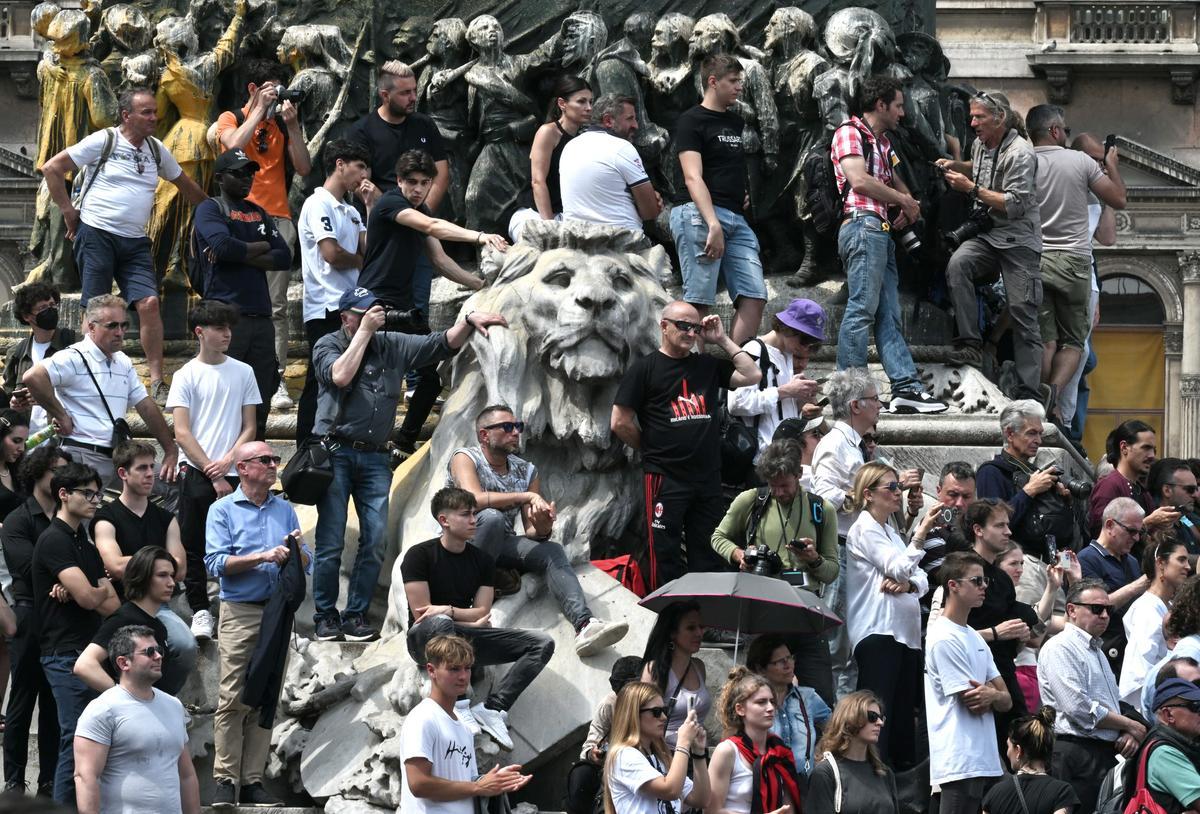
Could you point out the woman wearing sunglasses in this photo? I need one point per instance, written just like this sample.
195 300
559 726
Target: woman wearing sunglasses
752 769
670 664
642 775
883 612
850 777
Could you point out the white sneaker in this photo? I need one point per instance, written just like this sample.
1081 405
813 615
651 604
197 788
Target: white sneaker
462 710
281 400
597 635
202 625
495 723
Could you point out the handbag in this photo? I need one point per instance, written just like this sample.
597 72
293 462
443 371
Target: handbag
121 432
1142 801
309 472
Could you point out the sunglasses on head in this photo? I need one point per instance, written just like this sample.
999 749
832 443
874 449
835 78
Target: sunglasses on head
507 426
686 327
874 717
657 712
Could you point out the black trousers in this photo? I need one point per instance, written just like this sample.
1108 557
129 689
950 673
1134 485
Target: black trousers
253 342
429 387
306 409
680 519
196 495
1082 763
28 686
895 673
814 664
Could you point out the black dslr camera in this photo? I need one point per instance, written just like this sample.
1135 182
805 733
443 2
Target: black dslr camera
410 321
762 561
978 221
1078 487
294 96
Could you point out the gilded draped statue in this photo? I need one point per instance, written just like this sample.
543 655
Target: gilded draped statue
185 95
76 99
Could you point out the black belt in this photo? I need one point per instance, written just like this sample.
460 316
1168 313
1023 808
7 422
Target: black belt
22 603
859 214
96 448
359 446
259 603
1085 741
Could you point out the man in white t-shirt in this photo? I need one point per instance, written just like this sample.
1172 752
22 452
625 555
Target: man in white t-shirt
213 399
333 242
600 174
962 687
438 750
131 743
107 221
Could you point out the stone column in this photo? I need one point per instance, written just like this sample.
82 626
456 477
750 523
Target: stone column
1189 379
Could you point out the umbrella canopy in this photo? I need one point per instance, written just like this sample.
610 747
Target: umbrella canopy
747 603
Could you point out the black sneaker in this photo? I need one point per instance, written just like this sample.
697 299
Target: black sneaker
907 402
254 794
329 629
356 629
45 790
223 797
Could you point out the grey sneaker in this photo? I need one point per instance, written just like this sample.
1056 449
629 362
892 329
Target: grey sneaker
495 723
597 635
223 798
966 355
356 629
329 629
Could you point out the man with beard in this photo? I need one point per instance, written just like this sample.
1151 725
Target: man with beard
1131 449
508 486
359 370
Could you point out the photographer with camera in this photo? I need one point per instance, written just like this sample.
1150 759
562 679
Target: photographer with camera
401 233
782 528
943 531
1043 518
1001 237
268 130
359 371
863 166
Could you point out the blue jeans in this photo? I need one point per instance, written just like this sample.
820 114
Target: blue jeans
181 651
71 695
740 267
533 557
869 257
366 477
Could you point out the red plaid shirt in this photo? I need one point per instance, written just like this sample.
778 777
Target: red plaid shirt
847 141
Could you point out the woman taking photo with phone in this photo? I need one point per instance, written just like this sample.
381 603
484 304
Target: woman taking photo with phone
850 777
752 769
643 776
670 664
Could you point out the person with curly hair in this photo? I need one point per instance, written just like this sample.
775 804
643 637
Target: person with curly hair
851 777
752 769
1032 790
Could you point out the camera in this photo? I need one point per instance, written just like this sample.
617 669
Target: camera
762 561
294 96
978 222
410 321
909 238
1078 487
948 516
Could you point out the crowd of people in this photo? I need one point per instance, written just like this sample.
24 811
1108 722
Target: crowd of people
1016 623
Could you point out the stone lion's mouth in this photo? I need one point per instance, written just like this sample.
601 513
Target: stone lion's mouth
584 352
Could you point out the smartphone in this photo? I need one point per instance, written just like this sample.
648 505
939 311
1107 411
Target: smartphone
1110 141
824 402
1064 560
691 704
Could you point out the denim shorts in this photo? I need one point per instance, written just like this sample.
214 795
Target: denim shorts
101 255
740 266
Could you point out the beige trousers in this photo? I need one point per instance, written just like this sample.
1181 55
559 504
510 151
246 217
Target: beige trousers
240 744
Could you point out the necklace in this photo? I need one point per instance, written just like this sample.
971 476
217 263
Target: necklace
1027 770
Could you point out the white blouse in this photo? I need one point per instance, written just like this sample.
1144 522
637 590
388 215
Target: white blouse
873 552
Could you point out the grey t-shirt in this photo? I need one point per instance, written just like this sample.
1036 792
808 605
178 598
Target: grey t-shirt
1065 178
863 791
520 475
144 740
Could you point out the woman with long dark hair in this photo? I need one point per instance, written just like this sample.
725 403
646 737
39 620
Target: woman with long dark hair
14 429
850 777
1165 560
671 665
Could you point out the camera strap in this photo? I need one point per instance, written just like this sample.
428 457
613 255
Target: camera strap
100 392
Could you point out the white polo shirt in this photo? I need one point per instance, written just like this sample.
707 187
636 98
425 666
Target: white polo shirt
324 216
116 377
596 172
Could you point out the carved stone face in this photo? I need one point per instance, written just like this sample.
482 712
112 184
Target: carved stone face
178 34
712 36
485 35
69 32
671 36
449 37
412 35
583 36
789 27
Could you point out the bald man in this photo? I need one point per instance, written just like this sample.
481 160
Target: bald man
666 407
246 535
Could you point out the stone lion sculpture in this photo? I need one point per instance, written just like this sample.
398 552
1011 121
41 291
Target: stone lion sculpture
582 301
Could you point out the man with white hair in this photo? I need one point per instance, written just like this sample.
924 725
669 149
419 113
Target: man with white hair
1107 558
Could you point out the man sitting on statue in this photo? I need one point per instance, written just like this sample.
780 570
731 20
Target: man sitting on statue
508 486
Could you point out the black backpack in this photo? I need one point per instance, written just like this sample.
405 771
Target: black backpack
822 199
739 440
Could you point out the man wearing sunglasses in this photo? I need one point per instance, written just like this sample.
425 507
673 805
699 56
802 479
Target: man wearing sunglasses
1173 483
107 218
1173 767
131 746
666 406
1107 558
963 689
359 371
508 487
1075 678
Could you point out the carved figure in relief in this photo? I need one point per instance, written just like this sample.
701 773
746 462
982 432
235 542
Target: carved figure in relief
442 94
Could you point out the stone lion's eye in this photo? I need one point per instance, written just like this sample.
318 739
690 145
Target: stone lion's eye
560 278
621 282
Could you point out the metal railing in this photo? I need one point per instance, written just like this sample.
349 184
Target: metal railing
1113 23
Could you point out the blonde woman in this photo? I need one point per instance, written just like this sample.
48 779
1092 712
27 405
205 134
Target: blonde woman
883 612
640 775
751 759
850 777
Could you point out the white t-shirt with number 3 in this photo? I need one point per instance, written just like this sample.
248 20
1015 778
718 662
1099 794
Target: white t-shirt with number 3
324 216
631 770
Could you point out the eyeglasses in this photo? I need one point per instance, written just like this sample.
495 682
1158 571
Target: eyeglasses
874 717
1190 706
1190 488
686 327
507 426
152 652
112 326
874 398
890 486
139 161
1131 531
265 460
90 495
978 582
782 662
1098 608
657 712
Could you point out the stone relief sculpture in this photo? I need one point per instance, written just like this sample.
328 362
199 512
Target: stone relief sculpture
668 92
127 36
76 99
185 93
860 43
639 30
410 39
321 60
442 94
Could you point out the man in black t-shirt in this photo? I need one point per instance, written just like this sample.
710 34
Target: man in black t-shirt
449 588
71 595
400 231
673 395
712 236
